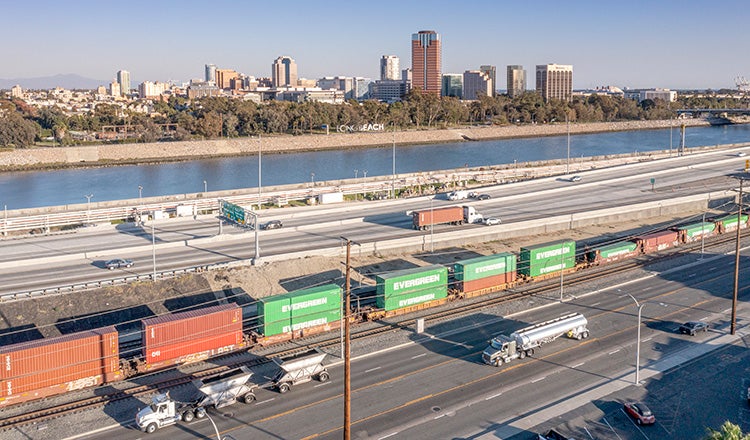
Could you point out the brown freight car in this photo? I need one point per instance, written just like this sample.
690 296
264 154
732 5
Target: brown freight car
191 336
37 369
657 241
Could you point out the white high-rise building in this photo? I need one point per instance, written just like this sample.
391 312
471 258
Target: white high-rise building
210 74
123 78
389 67
554 81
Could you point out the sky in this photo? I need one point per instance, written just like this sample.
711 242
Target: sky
677 44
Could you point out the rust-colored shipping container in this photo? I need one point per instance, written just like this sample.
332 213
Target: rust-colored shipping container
192 336
36 369
657 241
486 284
451 214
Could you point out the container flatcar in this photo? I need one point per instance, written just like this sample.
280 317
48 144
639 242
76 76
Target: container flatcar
37 369
486 274
192 336
406 288
657 241
694 232
546 259
612 252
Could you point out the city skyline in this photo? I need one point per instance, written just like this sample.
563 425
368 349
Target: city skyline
645 45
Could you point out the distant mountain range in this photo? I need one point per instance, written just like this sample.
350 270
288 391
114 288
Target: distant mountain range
66 81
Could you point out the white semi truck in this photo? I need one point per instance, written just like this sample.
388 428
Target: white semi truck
521 343
216 392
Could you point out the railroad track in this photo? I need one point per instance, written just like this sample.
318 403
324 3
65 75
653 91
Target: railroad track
398 322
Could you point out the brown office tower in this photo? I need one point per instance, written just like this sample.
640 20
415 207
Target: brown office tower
426 62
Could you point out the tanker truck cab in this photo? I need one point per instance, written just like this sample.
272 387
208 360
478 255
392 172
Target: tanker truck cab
502 349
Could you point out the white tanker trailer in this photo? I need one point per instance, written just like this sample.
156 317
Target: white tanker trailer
521 343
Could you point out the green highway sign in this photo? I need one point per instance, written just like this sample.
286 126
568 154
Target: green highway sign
233 212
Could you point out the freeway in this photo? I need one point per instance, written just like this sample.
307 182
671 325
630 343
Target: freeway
431 386
51 261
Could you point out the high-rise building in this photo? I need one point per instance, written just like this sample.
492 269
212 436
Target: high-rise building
114 89
491 71
476 84
453 84
16 91
284 72
426 62
224 78
123 78
210 74
516 81
554 81
389 67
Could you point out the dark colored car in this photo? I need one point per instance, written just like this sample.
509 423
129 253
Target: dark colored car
552 435
640 413
483 197
273 224
693 327
118 263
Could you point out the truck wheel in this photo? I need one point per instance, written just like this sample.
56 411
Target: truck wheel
522 355
248 398
151 428
200 413
585 335
324 376
283 388
188 416
579 336
530 352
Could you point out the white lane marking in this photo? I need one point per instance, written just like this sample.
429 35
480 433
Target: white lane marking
419 355
613 352
711 269
610 427
538 379
265 401
372 369
726 311
647 339
493 396
578 365
437 417
595 304
388 435
321 384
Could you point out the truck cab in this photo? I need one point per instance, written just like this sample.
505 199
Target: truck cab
164 411
501 349
472 216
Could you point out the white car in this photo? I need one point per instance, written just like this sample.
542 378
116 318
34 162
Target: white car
489 221
575 179
741 154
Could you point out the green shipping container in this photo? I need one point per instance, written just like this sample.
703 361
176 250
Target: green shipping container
730 221
274 314
409 287
314 319
546 258
483 267
697 229
318 299
615 249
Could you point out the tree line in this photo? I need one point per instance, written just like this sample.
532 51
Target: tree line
22 125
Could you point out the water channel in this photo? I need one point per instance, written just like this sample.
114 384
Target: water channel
29 189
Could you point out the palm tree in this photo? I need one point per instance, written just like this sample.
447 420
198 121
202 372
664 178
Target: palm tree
729 431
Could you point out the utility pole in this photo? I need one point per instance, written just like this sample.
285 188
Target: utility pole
737 262
347 346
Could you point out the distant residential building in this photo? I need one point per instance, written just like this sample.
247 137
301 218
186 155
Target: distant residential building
298 94
453 84
101 90
362 88
662 94
406 75
602 91
491 71
389 67
16 92
210 73
114 89
123 78
476 84
426 62
554 81
388 90
224 78
516 83
284 72
151 90
307 83
199 89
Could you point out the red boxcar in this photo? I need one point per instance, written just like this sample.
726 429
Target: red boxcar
37 369
192 336
657 241
500 281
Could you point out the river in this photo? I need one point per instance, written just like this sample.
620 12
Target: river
32 189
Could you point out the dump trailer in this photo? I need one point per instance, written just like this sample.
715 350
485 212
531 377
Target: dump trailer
217 392
454 215
299 370
521 343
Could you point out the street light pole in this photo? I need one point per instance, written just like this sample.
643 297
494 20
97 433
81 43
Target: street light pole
205 186
393 174
432 226
140 193
153 244
347 345
703 233
638 340
737 262
88 207
259 170
567 163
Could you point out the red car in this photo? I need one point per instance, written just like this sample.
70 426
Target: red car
640 412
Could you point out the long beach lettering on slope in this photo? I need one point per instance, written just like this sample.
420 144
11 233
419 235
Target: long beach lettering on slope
399 285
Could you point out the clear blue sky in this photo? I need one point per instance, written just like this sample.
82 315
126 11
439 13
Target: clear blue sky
635 43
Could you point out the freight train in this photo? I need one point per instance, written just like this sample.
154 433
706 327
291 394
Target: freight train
46 367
